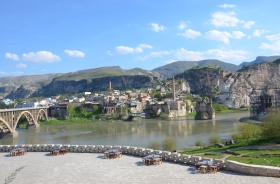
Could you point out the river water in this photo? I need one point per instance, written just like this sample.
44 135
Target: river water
185 130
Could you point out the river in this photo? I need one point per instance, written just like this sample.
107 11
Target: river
185 130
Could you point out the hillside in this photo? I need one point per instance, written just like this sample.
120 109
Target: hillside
260 59
178 67
103 72
91 79
31 82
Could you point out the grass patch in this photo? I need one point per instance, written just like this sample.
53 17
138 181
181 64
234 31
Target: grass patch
192 114
241 143
258 157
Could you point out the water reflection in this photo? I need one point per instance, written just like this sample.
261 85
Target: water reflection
186 130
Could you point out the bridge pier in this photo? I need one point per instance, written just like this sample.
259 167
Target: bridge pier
32 126
7 135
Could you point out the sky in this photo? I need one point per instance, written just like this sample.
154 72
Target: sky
50 36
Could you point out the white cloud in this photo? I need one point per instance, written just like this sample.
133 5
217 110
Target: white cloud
218 36
249 24
169 61
21 65
190 34
129 50
225 19
273 37
223 36
183 54
12 56
274 46
159 53
258 33
40 57
3 73
237 34
153 54
226 6
17 73
223 54
146 46
74 53
156 27
182 26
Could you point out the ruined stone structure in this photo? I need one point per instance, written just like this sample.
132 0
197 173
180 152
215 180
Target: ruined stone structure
172 108
9 119
109 108
173 88
204 109
260 105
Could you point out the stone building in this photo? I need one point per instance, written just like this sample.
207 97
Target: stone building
204 109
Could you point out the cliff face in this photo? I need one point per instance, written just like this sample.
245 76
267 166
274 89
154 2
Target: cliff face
203 81
118 82
20 92
235 89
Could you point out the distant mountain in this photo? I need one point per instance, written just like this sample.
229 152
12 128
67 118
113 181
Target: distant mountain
110 71
260 59
90 79
178 67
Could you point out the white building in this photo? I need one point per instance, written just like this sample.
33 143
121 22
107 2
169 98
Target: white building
28 105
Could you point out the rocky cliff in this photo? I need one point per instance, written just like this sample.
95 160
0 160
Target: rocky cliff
235 89
203 81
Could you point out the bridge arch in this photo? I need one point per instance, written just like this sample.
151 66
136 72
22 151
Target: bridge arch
29 117
42 113
2 121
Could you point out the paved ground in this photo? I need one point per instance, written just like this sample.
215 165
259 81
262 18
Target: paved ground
92 168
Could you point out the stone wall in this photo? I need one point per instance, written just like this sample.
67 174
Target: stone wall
166 156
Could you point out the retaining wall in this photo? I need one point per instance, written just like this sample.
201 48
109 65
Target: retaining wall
166 156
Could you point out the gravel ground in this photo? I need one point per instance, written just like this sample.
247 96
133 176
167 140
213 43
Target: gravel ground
92 168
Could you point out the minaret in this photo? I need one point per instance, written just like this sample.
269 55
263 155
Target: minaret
110 86
173 88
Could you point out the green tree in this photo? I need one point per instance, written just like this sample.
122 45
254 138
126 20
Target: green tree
158 96
270 124
169 144
248 129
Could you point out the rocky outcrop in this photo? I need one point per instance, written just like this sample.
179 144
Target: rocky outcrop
203 81
20 92
235 89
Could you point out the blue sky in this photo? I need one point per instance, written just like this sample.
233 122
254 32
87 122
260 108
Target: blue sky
50 36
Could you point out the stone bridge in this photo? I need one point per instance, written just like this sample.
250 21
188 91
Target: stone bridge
9 118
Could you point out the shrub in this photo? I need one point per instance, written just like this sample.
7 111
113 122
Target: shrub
169 144
270 125
164 117
236 137
155 145
198 143
215 139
